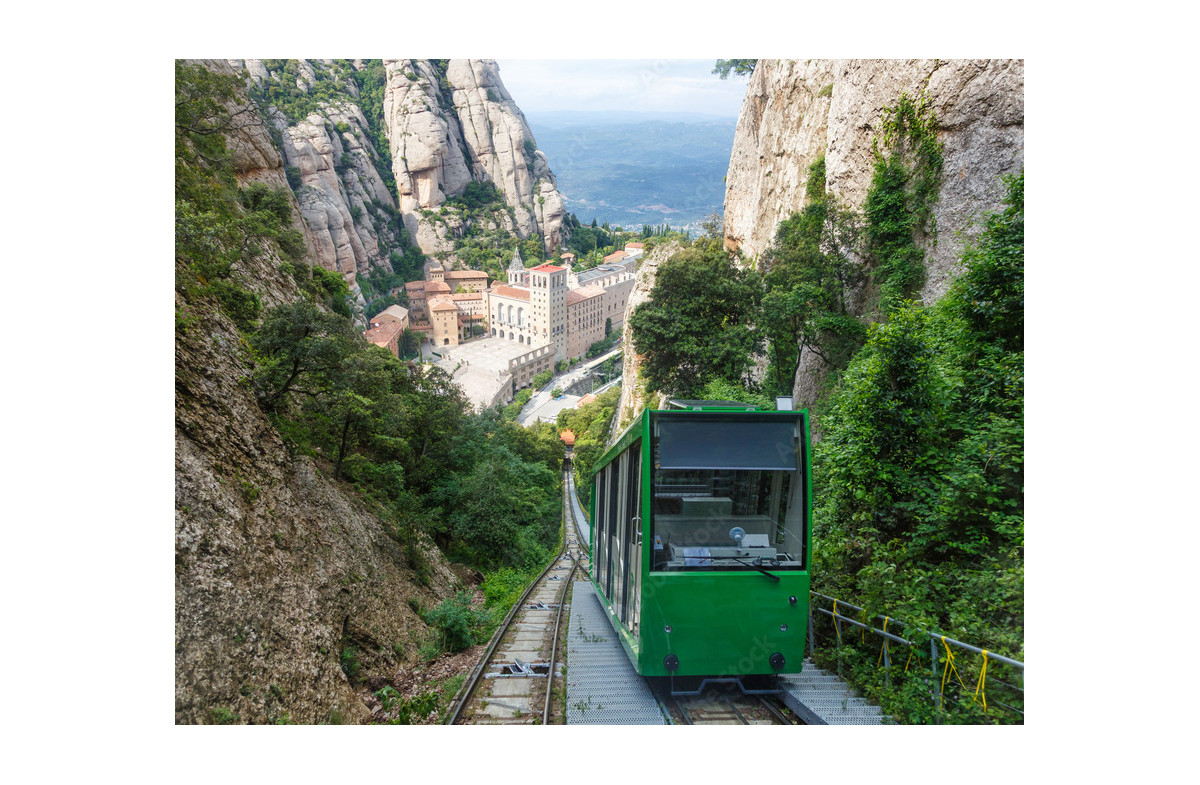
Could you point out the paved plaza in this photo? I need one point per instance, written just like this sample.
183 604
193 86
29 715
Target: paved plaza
480 368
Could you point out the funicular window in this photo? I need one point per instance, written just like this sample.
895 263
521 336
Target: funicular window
619 532
620 552
601 530
610 522
633 538
727 494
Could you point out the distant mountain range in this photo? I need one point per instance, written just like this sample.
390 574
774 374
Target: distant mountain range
637 168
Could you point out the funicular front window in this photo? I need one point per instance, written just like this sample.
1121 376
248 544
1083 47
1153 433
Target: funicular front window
727 495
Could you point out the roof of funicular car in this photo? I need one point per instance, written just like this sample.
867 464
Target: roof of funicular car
710 406
721 409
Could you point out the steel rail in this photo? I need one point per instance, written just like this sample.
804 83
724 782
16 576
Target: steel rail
464 693
774 711
562 602
554 644
741 717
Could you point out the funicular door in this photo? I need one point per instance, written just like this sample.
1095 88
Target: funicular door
611 556
619 492
633 549
600 531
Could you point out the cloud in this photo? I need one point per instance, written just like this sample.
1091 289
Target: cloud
616 85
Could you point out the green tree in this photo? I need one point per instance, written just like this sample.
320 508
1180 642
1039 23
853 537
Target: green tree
302 348
700 321
899 205
808 278
921 463
590 424
499 506
738 67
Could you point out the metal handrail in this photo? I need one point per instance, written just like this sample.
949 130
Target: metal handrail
935 635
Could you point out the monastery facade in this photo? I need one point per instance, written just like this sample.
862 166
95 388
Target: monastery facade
547 305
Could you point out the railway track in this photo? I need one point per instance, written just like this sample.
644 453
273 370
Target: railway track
514 682
722 704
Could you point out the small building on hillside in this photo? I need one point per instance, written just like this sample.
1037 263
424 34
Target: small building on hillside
466 280
386 335
393 313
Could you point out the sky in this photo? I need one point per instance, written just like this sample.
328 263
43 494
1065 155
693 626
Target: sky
622 85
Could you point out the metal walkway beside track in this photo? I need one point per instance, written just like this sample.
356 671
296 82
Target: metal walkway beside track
602 686
581 521
821 698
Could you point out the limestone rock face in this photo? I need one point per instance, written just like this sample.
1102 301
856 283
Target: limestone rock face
277 572
343 199
634 398
257 159
497 135
427 146
339 181
449 129
796 110
255 156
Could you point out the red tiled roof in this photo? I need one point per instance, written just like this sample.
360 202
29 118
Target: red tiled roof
442 305
507 291
382 335
415 286
634 245
585 400
548 268
568 437
466 274
615 257
468 296
437 287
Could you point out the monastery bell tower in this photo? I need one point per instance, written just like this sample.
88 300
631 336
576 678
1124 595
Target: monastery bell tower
548 299
517 274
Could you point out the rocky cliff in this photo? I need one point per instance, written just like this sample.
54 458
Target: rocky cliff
797 110
281 578
340 188
445 124
284 581
451 122
634 397
330 164
256 158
